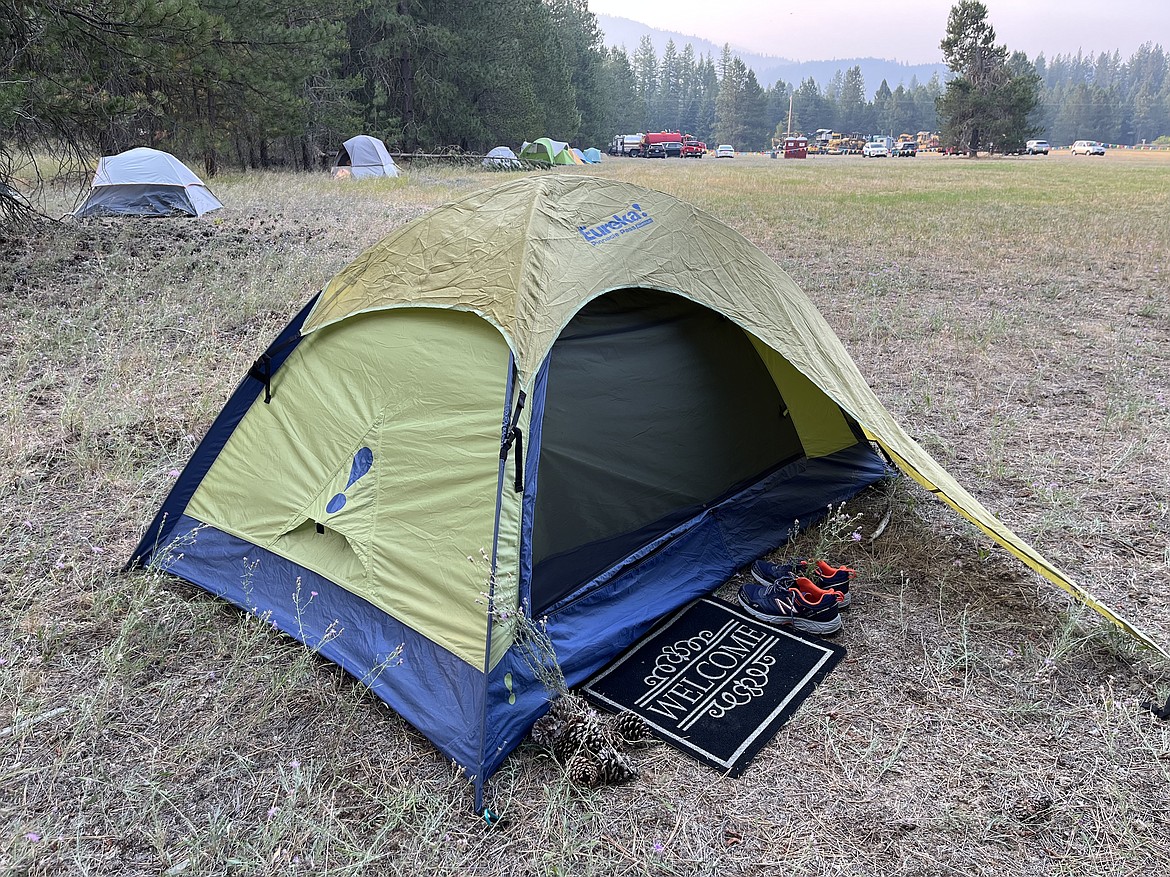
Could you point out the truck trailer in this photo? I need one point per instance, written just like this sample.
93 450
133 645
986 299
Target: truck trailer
626 144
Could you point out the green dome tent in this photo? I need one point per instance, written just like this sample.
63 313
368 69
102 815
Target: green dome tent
547 151
563 398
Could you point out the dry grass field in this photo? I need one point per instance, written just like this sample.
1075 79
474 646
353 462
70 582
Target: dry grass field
1013 313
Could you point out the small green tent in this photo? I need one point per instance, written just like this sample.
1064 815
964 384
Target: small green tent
564 399
547 151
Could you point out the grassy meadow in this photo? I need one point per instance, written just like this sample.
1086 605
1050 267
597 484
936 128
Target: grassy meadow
1013 313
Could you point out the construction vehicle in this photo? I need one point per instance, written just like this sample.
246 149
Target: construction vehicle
837 144
845 144
818 144
927 141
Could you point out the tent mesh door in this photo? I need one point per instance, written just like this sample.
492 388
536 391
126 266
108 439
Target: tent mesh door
655 408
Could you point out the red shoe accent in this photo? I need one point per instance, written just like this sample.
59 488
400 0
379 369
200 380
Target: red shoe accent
827 572
812 593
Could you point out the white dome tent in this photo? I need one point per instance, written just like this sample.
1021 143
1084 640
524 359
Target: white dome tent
502 158
146 182
362 157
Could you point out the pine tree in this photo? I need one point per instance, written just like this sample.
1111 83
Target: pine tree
855 115
986 104
885 107
625 111
757 121
731 106
646 82
690 92
707 79
669 89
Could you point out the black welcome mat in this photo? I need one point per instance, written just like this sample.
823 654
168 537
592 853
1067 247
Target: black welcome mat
715 682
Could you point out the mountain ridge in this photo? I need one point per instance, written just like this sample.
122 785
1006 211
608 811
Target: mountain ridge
628 33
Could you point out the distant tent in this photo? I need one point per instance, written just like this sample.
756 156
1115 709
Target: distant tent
502 158
547 151
146 182
364 156
579 155
592 155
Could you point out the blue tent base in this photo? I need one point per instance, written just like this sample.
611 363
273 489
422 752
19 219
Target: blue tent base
441 695
429 687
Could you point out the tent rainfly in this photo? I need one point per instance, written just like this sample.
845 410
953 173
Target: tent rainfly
563 398
364 156
592 155
146 182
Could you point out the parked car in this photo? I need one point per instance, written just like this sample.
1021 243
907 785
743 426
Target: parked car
1037 147
905 149
656 150
873 149
1088 147
725 150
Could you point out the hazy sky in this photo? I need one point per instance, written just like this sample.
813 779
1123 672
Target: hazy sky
902 30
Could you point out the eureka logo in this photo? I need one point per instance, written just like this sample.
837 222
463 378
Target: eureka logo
618 224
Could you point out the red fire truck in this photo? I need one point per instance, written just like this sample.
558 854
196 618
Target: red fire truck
662 144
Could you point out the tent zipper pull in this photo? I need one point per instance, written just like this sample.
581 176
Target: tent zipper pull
261 370
514 434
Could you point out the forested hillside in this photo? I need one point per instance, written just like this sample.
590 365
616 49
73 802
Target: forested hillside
1123 101
260 83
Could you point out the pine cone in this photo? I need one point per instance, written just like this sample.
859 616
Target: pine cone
563 707
593 733
614 767
630 728
568 740
546 730
583 769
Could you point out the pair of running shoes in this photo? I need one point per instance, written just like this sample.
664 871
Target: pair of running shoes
806 594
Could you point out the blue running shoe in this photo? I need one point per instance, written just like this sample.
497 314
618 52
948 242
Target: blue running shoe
825 576
778 573
802 604
833 578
